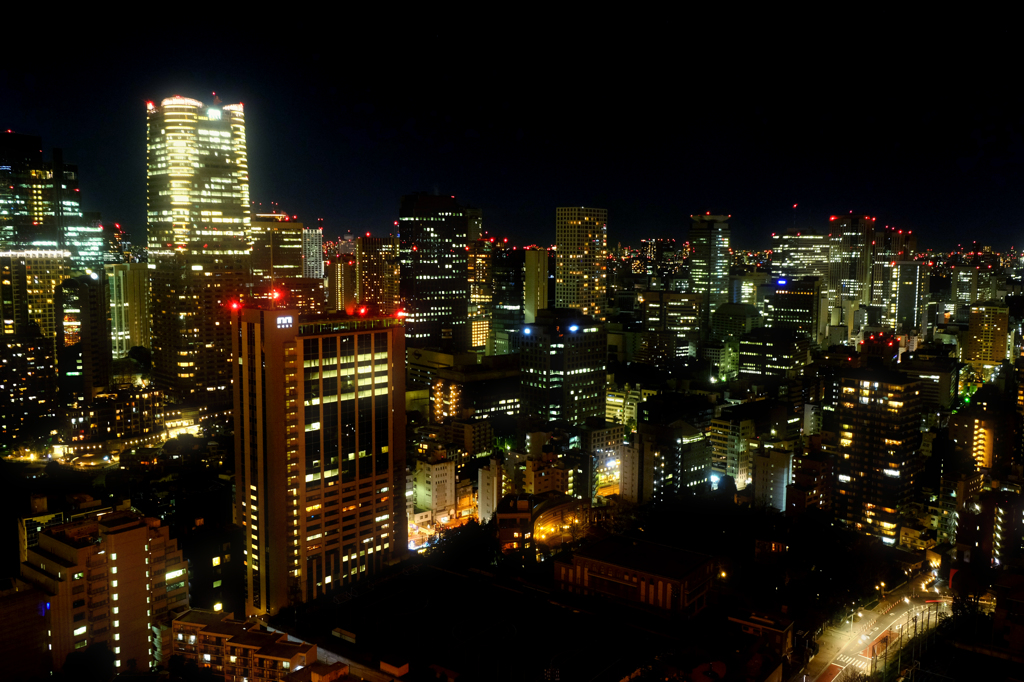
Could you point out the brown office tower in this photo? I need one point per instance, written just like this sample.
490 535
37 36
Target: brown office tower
319 484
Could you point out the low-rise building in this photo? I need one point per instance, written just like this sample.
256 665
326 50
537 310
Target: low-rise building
638 573
238 650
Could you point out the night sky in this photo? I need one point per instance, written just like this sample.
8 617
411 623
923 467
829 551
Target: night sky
924 131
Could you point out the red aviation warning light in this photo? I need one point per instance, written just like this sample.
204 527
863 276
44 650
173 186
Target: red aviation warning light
276 295
362 310
401 313
235 305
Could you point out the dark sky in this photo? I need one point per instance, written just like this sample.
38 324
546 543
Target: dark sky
922 129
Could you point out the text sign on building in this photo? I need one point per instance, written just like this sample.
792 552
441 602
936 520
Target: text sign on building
285 322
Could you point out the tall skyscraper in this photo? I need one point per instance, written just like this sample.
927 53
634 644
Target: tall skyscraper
319 450
800 253
581 270
879 417
905 301
799 305
435 286
481 292
341 284
128 291
83 339
40 205
378 274
313 252
199 253
710 262
850 264
535 283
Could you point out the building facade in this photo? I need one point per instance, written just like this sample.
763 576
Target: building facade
199 241
319 449
581 236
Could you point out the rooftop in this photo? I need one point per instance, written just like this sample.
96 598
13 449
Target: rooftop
640 555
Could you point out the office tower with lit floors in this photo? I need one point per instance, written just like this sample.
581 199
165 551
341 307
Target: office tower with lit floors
277 246
128 294
481 291
563 362
199 242
581 238
377 275
433 246
319 450
710 262
313 252
879 417
850 265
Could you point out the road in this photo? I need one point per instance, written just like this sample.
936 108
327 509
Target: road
864 645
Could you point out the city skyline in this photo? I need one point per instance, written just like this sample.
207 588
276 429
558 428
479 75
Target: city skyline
920 170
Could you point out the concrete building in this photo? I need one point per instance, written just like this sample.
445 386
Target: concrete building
319 450
313 252
489 489
773 473
800 253
238 650
83 340
799 305
341 284
112 580
434 482
732 320
774 352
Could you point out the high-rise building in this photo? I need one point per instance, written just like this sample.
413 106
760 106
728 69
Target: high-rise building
83 339
889 246
28 286
40 204
879 418
562 360
535 283
128 290
710 262
113 579
905 301
378 274
800 253
481 290
277 247
28 386
313 252
850 264
581 236
988 338
434 259
508 290
341 284
799 305
199 241
320 485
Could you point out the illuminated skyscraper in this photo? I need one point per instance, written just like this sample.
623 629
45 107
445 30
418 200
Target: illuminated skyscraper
40 205
535 283
277 243
800 253
319 450
377 274
710 262
29 286
313 252
581 236
434 269
481 292
199 253
880 432
850 264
